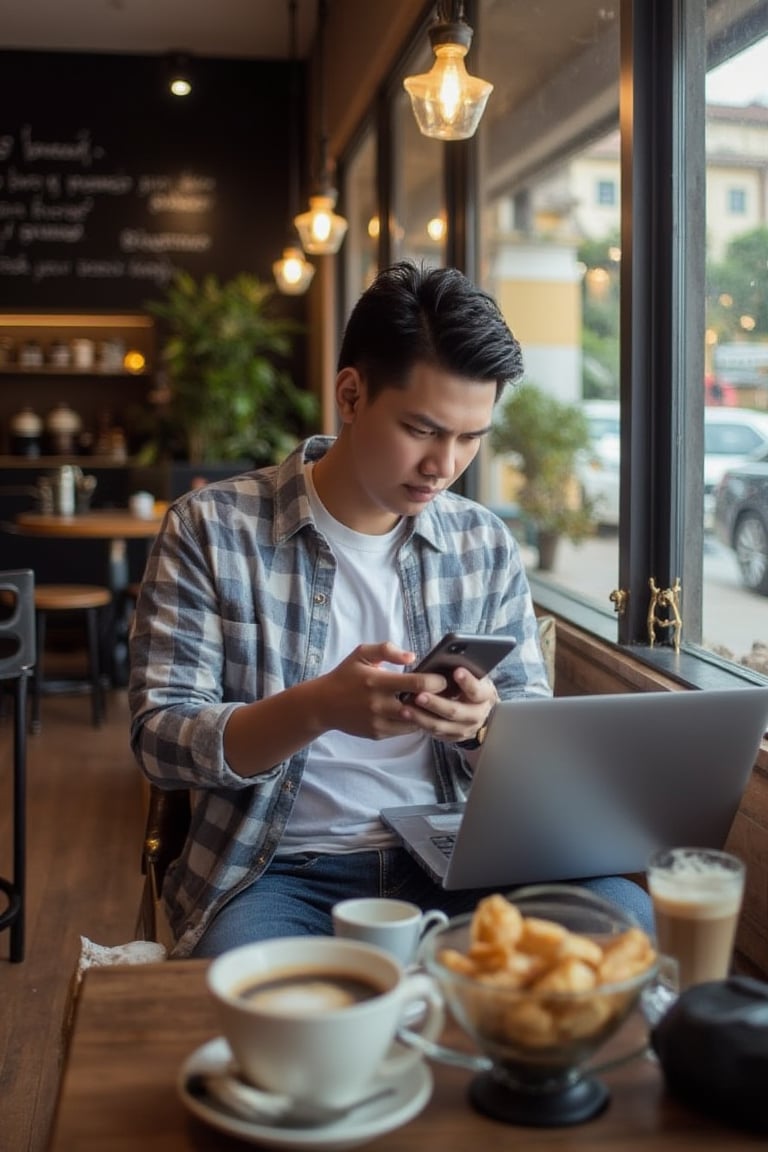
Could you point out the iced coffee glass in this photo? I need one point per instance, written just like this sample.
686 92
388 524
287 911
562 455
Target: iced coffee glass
697 895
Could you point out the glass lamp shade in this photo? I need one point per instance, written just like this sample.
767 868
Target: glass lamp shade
447 102
293 274
320 229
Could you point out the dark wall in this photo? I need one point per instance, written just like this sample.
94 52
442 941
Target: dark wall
107 181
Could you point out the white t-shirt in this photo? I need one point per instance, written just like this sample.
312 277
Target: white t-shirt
348 779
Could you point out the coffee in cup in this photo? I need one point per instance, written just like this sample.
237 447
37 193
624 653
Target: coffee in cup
397 926
696 894
316 1017
297 993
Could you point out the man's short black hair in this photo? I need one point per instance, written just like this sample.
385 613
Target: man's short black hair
437 316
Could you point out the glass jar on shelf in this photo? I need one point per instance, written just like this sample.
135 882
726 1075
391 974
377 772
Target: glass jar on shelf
62 426
31 354
59 354
26 429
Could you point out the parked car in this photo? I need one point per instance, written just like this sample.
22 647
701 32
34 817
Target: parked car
741 518
731 436
598 469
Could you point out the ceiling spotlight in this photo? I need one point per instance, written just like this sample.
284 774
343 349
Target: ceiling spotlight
179 77
447 102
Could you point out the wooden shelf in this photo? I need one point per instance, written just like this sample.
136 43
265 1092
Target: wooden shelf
87 373
132 331
38 463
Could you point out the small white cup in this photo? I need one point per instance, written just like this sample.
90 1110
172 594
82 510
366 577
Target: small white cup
397 926
142 504
316 1017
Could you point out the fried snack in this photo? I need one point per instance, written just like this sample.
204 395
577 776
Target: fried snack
569 975
497 922
542 937
625 956
564 972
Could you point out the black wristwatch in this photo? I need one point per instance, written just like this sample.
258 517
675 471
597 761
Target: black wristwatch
479 737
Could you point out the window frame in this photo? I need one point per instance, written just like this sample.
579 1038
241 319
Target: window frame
664 57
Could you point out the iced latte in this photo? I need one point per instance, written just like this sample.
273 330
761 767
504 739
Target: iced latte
696 894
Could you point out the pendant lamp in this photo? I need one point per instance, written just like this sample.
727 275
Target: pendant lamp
447 102
293 273
321 229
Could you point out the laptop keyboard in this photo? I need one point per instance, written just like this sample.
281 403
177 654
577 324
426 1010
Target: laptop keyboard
444 843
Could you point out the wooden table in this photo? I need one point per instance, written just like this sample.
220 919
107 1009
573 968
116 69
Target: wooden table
115 526
135 1025
99 524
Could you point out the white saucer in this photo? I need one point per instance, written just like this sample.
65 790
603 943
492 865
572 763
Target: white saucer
410 1094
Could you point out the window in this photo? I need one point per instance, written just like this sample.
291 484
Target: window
734 618
606 193
636 299
419 229
360 248
550 251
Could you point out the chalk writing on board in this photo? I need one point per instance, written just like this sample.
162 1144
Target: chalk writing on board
67 211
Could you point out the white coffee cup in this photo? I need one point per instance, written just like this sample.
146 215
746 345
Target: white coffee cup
397 926
316 1017
142 504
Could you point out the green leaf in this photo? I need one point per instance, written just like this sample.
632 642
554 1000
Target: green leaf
224 354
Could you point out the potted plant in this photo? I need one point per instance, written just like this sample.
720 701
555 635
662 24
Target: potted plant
546 436
225 387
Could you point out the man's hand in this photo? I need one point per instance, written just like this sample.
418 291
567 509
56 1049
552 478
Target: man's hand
361 696
453 720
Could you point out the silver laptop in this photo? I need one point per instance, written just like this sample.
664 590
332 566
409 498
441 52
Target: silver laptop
579 786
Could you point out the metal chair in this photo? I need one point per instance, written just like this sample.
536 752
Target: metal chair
17 659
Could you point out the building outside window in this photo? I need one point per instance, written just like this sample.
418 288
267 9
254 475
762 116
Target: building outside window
606 193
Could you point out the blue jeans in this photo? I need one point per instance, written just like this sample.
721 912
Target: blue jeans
294 897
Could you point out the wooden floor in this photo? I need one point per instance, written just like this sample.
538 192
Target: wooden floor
85 826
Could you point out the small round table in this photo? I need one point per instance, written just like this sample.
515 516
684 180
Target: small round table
114 525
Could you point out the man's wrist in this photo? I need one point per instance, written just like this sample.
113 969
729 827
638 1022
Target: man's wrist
478 739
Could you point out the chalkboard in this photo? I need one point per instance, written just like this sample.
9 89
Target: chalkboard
108 183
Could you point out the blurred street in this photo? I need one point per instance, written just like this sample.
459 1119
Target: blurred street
733 617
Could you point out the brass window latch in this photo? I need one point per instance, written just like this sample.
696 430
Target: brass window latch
664 612
619 598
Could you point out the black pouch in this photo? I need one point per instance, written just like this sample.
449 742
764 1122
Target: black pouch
713 1048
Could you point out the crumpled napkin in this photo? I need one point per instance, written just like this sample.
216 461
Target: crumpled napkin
135 952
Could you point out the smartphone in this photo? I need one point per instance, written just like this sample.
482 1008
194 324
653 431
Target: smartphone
478 654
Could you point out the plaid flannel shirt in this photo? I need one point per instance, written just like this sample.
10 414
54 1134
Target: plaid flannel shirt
235 606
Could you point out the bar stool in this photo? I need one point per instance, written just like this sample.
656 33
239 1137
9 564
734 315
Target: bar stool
17 658
89 599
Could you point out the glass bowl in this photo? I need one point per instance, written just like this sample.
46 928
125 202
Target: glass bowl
538 1037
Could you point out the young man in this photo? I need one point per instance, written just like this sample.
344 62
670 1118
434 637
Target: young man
281 609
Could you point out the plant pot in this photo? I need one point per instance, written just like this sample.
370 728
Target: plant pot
547 547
